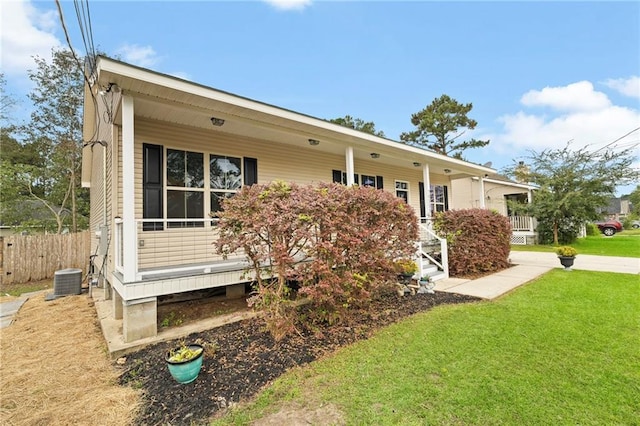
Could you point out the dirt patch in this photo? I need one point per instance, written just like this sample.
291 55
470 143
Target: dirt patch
189 311
56 370
247 358
294 415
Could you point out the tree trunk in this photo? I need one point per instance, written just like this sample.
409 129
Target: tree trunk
555 232
74 212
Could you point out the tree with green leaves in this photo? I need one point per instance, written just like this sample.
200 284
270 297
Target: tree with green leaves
44 164
573 185
358 124
440 126
634 199
7 102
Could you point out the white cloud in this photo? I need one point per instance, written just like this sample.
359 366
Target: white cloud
289 4
26 32
627 86
574 97
144 56
586 117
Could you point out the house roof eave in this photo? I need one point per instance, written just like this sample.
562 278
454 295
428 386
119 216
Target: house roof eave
136 80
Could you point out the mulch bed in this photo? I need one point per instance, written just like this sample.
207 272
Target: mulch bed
247 358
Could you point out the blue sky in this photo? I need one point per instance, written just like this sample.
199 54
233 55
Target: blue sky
538 73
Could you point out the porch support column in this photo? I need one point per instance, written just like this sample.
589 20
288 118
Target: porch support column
350 168
427 192
529 199
482 204
129 231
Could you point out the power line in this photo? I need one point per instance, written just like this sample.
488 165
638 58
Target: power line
620 138
80 67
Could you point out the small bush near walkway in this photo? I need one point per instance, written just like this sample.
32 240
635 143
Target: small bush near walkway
479 240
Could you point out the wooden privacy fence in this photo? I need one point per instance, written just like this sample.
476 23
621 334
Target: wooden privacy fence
38 257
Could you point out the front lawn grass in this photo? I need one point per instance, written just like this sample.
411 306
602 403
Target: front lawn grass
624 244
562 350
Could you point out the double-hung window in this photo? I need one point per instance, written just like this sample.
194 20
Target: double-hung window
180 184
439 202
225 178
365 180
402 190
185 187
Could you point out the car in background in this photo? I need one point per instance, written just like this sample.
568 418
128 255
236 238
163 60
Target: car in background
609 227
635 224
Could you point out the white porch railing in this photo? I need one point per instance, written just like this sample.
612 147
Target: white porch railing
427 238
179 245
169 245
522 223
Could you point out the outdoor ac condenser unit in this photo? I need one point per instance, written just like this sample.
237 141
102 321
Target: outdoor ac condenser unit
67 281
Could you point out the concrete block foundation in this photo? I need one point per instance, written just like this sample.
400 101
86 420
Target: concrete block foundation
139 319
235 291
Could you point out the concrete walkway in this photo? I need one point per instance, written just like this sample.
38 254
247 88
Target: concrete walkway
9 309
530 265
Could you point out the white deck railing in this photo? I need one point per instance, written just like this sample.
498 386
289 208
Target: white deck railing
522 223
174 245
169 245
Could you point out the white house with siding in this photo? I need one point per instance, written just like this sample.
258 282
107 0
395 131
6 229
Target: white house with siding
160 152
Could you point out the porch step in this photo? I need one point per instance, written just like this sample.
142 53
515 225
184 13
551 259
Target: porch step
431 270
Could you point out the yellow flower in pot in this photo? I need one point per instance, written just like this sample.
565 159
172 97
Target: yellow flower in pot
567 256
406 267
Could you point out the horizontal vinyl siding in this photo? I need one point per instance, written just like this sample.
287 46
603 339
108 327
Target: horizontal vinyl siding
276 161
176 247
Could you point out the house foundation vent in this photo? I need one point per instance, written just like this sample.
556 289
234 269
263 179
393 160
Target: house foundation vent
67 281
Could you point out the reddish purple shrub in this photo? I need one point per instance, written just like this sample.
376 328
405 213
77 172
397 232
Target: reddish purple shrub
479 240
337 242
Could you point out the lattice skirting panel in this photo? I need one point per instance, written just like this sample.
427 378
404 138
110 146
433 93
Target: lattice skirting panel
520 240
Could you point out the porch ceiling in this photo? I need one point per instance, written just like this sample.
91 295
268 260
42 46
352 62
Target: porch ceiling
165 98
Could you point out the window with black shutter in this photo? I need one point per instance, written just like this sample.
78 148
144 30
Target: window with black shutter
152 201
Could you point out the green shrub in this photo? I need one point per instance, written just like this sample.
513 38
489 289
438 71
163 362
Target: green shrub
628 221
568 231
592 229
479 240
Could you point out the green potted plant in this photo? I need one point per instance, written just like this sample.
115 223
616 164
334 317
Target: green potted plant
406 267
567 255
185 362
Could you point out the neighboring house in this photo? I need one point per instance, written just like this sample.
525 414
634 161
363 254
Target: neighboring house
499 193
161 152
617 209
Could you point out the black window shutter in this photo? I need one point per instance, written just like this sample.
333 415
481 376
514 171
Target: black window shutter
152 186
379 184
250 171
356 179
446 198
337 176
423 205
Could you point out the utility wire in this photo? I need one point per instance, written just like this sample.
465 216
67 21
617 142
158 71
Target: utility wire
620 138
80 67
